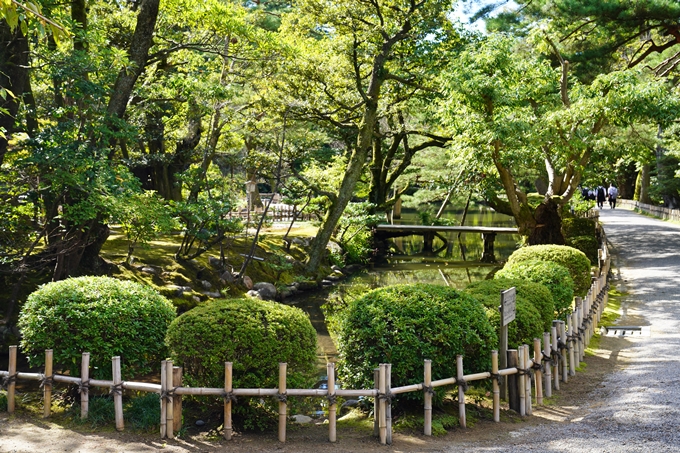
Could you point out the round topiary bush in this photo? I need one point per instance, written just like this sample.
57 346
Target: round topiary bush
254 335
551 275
100 315
574 260
406 324
528 323
588 245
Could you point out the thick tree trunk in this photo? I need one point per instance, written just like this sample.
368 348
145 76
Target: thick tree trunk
548 225
644 184
141 42
14 53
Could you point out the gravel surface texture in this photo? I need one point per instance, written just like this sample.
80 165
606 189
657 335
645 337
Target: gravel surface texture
626 399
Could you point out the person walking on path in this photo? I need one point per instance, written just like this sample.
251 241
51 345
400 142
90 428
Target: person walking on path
601 196
613 193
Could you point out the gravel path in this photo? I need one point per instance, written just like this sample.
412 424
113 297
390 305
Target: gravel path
637 408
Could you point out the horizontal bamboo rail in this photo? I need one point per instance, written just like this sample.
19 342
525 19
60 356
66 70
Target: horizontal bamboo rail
553 361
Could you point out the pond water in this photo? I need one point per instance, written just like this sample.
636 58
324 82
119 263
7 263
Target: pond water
457 265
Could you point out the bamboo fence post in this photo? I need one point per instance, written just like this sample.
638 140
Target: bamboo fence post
577 342
84 385
555 354
572 343
11 379
538 374
332 406
579 323
381 392
376 402
388 394
117 390
513 393
282 401
170 409
460 380
521 381
164 405
177 399
427 396
562 332
547 374
228 398
527 379
496 387
47 383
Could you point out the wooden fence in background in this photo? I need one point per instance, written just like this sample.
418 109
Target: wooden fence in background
657 211
554 358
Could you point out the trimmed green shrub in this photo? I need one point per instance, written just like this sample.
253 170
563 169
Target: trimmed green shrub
100 315
256 336
528 323
551 275
576 226
574 260
406 324
588 245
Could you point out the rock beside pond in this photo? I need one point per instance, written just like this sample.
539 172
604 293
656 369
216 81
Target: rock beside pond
267 290
254 294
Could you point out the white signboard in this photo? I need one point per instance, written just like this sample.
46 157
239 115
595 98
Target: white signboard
507 306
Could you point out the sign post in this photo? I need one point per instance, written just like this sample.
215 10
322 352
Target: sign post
507 310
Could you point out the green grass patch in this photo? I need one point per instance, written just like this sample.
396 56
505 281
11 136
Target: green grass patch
356 419
3 402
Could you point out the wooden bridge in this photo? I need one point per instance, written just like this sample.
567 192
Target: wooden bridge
385 231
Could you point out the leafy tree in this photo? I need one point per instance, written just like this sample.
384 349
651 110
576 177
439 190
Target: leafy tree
373 49
521 117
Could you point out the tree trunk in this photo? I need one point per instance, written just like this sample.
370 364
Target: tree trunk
14 53
644 184
548 224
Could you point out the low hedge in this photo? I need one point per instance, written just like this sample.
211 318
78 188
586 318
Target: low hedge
552 276
528 323
254 335
406 324
574 260
576 226
100 315
588 245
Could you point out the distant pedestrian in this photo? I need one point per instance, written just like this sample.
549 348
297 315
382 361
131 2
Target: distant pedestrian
613 193
601 196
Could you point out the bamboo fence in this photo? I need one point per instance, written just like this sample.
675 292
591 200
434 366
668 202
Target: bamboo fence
656 211
555 358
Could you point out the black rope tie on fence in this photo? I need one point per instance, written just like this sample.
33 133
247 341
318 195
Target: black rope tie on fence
332 400
8 380
556 357
117 389
167 395
561 345
386 396
496 376
46 381
536 366
428 389
546 358
229 396
462 383
525 372
84 387
282 397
